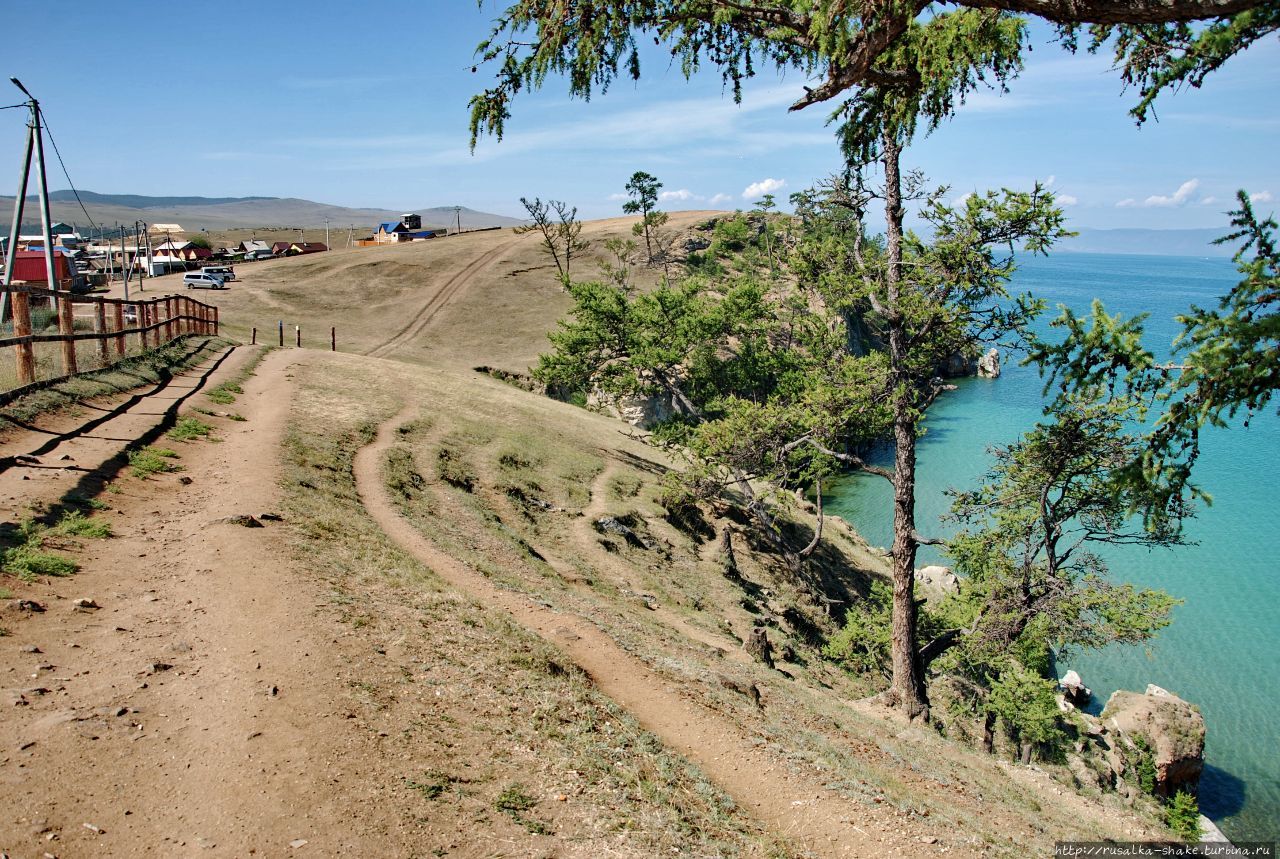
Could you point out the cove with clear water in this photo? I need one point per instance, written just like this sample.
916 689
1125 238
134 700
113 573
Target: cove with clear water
1219 653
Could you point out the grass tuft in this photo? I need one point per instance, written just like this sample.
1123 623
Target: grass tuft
189 429
28 561
152 460
225 393
75 524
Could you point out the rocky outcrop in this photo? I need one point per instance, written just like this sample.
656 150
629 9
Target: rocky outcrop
1073 689
1162 725
642 412
989 364
937 582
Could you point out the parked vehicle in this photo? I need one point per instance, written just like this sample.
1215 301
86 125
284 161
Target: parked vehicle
223 271
200 280
259 254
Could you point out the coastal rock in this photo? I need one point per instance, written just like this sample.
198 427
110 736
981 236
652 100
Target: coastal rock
958 365
937 582
1172 728
1073 688
989 364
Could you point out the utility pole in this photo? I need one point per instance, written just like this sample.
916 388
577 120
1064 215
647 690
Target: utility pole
326 232
124 267
457 212
19 202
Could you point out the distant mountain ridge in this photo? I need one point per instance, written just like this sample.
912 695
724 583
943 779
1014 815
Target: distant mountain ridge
223 213
138 201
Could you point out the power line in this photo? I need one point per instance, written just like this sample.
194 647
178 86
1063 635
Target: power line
49 131
12 106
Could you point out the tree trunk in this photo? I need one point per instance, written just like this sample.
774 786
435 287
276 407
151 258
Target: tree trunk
907 689
989 734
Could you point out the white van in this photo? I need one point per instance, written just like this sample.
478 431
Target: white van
225 272
200 280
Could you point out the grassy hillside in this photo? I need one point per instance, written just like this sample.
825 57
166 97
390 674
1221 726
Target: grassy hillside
519 488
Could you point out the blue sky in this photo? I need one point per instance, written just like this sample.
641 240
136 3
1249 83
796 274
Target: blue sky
367 106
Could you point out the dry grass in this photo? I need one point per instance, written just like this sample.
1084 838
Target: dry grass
518 520
501 737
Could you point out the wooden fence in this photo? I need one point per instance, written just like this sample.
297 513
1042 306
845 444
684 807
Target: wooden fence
119 327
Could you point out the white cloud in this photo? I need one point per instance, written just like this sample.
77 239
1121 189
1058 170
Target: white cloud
962 199
682 194
1127 203
1048 183
1262 197
1179 198
1066 200
764 186
1208 201
719 199
616 198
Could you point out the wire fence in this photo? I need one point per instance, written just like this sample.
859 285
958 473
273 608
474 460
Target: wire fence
54 334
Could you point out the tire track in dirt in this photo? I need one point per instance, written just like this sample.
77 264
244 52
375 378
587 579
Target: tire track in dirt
439 300
795 805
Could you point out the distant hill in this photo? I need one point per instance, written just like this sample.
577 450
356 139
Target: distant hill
223 213
1197 243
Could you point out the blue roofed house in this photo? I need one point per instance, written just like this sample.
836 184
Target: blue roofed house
391 231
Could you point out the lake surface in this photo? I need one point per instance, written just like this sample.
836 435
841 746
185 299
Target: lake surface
1220 651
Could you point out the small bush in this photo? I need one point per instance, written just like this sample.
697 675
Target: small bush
189 429
1183 816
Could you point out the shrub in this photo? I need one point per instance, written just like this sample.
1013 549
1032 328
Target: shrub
1183 816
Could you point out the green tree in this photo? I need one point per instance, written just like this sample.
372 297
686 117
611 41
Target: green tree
906 72
560 229
643 190
1157 44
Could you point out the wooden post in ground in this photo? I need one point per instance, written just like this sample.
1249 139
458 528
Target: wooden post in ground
215 320
168 319
333 339
22 328
100 328
297 333
144 321
282 332
118 313
254 340
66 327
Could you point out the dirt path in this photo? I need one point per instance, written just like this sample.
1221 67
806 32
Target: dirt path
197 711
793 804
437 300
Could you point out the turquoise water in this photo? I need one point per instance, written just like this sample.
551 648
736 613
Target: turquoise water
1219 652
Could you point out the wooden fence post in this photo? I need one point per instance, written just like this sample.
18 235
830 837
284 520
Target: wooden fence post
118 313
282 332
254 340
66 327
215 320
297 333
168 318
22 328
100 327
145 315
333 339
